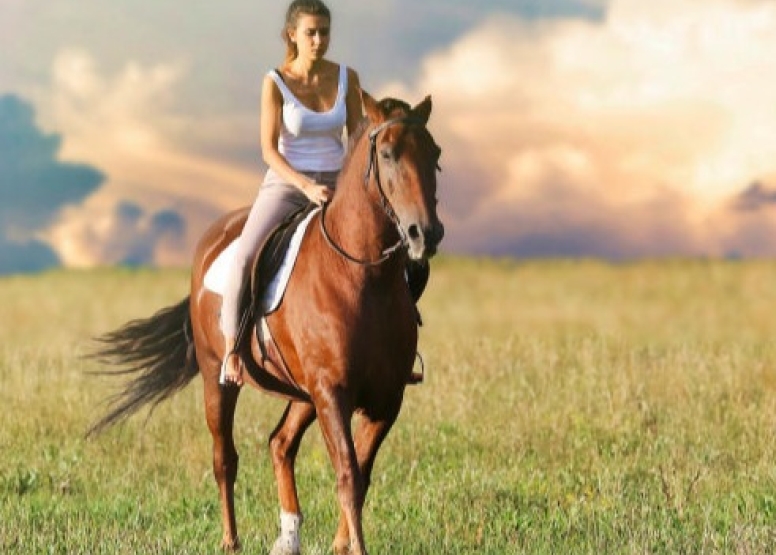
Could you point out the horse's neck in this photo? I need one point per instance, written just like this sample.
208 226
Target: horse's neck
355 217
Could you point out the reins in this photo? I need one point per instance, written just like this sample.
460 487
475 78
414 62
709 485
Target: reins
374 168
385 255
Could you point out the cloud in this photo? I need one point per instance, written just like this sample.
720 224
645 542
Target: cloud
398 41
618 129
746 225
228 47
26 256
156 159
623 137
34 186
126 235
754 197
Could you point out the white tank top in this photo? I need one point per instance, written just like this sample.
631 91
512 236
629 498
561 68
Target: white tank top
310 140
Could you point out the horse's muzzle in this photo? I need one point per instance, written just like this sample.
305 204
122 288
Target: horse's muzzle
423 241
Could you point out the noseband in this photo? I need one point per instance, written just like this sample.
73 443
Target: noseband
374 168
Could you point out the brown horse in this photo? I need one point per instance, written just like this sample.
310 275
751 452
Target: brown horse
347 326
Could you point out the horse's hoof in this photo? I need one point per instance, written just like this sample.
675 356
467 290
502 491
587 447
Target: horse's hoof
284 546
231 546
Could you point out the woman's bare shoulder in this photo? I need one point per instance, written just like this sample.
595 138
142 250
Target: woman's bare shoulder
353 79
271 88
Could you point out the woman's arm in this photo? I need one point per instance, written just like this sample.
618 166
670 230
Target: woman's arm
353 102
271 118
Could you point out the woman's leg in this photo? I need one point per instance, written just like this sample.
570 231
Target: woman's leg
273 204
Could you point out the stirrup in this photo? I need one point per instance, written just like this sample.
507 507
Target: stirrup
222 375
417 378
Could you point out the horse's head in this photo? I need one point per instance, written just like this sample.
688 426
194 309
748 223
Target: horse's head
404 160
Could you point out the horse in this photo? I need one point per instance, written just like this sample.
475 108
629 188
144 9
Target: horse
346 327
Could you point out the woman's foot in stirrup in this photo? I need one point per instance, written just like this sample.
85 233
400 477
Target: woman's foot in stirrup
232 370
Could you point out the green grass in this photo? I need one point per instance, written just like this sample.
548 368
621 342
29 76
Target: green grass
569 407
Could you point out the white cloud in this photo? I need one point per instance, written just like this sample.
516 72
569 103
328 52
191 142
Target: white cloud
664 99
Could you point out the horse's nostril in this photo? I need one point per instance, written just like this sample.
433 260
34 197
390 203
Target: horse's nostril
414 232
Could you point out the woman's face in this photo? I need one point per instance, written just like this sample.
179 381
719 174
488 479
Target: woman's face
311 36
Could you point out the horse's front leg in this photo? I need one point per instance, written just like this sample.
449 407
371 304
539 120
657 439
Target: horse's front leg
369 436
334 415
220 404
284 446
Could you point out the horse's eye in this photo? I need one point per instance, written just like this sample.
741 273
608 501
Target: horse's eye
387 153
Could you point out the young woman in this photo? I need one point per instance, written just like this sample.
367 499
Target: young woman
306 104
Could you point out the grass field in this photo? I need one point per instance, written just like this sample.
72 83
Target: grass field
569 407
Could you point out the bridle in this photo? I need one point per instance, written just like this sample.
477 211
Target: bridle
373 168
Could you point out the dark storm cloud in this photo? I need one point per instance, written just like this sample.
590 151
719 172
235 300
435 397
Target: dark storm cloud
34 187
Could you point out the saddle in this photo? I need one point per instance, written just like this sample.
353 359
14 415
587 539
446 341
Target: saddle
272 253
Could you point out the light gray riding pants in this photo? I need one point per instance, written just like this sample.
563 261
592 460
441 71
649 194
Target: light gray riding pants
276 200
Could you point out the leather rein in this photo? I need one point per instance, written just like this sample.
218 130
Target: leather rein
373 167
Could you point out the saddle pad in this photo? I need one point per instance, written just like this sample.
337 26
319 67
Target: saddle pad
216 275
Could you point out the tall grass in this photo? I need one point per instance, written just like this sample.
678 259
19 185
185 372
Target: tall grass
568 407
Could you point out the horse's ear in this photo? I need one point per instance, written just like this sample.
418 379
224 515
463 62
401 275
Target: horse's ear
423 110
371 108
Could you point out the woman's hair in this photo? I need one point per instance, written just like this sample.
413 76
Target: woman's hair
295 9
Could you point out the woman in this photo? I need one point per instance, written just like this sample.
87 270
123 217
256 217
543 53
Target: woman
305 105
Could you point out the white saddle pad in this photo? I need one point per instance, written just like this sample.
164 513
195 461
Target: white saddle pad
216 275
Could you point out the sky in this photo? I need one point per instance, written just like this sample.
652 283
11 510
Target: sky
585 128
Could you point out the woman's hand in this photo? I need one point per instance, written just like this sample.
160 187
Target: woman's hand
317 193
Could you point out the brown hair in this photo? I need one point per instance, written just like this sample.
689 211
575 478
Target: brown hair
295 9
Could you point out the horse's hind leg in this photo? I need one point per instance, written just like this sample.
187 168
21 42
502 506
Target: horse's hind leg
369 436
284 446
220 403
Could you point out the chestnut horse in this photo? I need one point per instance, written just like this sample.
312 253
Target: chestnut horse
347 326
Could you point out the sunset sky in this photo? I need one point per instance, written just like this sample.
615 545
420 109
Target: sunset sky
617 129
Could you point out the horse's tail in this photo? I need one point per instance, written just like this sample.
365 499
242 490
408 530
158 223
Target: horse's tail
158 352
